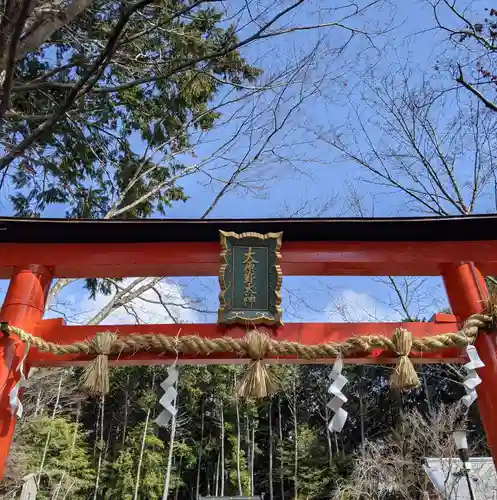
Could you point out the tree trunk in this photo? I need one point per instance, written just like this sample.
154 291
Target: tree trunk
249 460
76 425
427 395
142 448
216 478
100 447
361 412
362 405
270 412
170 453
222 449
238 439
140 459
126 410
49 25
296 436
180 471
97 428
328 434
107 441
38 400
252 458
280 445
199 459
49 435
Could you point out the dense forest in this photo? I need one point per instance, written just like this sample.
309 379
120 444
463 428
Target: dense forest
221 445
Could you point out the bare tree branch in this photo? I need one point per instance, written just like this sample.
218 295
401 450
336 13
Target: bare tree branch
489 104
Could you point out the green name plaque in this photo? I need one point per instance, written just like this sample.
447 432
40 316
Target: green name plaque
250 278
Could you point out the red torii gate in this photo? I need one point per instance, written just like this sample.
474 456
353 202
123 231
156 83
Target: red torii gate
34 251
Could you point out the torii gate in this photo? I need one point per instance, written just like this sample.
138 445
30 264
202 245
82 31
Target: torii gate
34 251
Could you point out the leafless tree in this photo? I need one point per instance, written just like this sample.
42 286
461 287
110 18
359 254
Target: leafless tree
432 150
394 465
473 37
413 298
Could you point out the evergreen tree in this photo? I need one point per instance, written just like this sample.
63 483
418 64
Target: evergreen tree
63 448
324 461
314 473
156 85
123 471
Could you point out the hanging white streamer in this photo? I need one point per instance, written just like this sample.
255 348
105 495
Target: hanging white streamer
472 380
339 399
169 397
14 399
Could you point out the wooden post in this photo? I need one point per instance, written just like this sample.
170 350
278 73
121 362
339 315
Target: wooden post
23 307
467 294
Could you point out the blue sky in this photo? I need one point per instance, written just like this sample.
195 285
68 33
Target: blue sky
312 178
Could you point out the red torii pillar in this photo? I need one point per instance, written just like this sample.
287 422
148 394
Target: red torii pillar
23 307
467 295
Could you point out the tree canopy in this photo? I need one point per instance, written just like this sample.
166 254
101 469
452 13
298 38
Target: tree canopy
115 75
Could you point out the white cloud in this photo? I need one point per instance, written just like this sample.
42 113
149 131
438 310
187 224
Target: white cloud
148 312
145 309
351 306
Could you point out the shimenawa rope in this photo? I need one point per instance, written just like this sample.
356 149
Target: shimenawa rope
257 380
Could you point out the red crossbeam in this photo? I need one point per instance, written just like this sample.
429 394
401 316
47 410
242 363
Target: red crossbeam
202 259
305 333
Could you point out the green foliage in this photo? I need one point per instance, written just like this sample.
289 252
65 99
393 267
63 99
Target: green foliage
67 465
313 471
184 462
151 91
124 469
314 474
204 391
232 469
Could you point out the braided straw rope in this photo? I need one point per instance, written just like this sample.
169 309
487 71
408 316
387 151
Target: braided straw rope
255 345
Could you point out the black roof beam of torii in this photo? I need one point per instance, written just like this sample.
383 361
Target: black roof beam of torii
467 228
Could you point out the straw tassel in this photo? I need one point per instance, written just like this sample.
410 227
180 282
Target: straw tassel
257 382
404 375
96 374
